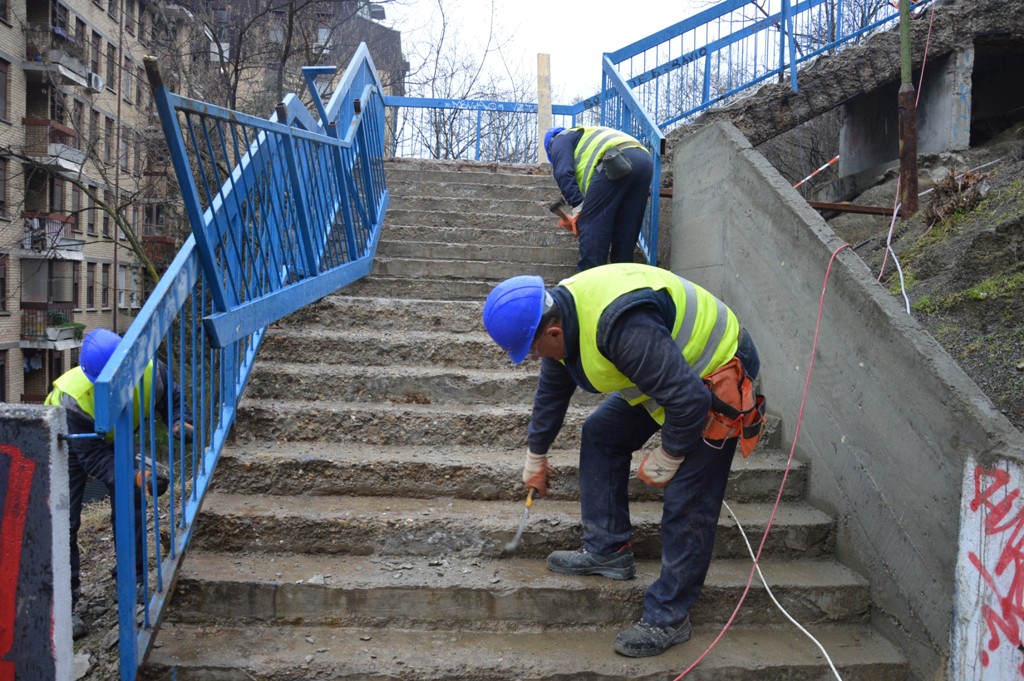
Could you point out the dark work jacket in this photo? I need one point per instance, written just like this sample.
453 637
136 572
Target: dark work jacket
635 334
563 165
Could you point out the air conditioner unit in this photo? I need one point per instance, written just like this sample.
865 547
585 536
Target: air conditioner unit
95 82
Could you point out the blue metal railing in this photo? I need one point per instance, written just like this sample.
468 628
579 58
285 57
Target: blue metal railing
283 211
710 57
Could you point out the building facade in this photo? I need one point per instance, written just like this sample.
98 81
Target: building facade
76 176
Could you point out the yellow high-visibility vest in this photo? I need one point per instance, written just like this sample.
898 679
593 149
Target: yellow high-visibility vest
705 330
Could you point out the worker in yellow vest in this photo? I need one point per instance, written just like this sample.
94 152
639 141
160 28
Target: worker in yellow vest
94 457
670 356
605 175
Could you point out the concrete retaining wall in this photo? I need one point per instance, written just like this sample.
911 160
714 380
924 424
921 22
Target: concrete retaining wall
35 577
891 422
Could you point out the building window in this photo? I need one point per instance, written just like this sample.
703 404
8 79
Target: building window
129 16
76 207
5 16
90 285
122 279
78 122
105 286
106 212
3 376
95 52
125 145
56 195
81 35
111 64
94 131
153 219
3 282
3 186
90 217
76 277
127 87
137 167
140 78
108 141
4 66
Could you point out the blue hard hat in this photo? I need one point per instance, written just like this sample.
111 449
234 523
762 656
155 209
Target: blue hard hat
547 140
512 313
98 346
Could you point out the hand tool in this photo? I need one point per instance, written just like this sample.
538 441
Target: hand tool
514 544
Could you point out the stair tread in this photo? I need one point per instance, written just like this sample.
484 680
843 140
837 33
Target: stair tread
762 459
501 515
352 571
344 652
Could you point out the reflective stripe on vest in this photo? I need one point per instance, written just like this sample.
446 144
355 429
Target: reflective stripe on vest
75 384
591 148
705 330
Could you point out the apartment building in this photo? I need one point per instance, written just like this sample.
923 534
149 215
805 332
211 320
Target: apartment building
86 186
76 124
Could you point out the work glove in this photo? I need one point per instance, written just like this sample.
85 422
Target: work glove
163 479
536 471
658 467
569 223
179 426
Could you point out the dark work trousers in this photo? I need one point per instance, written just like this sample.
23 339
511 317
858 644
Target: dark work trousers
613 213
99 463
691 505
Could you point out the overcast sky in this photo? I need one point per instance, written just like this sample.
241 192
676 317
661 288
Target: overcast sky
575 33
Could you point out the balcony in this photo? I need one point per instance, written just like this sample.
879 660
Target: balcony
50 326
53 145
50 235
52 53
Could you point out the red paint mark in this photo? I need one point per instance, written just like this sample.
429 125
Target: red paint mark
1004 520
12 529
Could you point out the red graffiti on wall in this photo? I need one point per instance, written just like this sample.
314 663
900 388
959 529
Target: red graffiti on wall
1003 518
12 528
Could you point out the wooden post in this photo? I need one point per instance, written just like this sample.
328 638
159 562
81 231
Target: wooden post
544 118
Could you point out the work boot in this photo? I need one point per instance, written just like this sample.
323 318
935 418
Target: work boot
618 565
78 626
643 639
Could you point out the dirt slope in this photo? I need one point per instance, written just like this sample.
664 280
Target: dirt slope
962 258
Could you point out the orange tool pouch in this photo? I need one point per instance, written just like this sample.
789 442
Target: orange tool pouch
736 411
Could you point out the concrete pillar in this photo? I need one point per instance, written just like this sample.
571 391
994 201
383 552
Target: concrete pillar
869 136
543 103
986 635
35 572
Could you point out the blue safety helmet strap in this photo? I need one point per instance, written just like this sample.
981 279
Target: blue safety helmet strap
547 140
98 346
512 313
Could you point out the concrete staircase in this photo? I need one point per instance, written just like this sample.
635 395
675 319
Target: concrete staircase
358 524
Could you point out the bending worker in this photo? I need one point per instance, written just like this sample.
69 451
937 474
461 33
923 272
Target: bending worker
650 340
94 457
605 175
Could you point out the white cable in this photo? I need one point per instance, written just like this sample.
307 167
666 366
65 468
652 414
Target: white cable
767 588
903 285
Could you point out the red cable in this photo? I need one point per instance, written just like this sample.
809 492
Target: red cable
785 475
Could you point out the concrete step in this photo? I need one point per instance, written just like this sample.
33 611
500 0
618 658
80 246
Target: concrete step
393 382
384 313
391 424
461 172
495 271
528 256
491 595
369 348
539 188
546 235
449 216
481 473
270 653
447 526
521 204
422 288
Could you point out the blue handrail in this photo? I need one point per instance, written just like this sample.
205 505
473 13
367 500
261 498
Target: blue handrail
283 211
